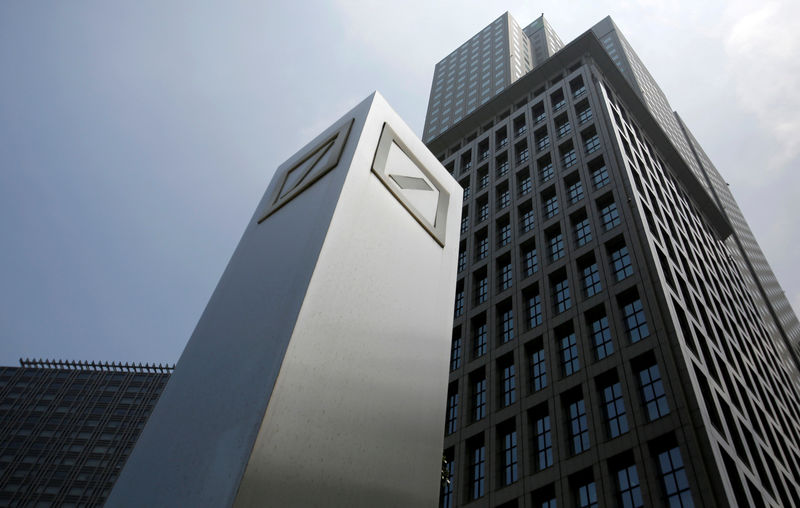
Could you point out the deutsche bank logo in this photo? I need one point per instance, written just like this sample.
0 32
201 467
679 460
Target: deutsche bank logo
413 185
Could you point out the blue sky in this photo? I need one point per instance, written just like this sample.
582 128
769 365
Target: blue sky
137 138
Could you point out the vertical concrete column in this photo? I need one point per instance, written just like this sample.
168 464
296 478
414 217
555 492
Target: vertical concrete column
317 375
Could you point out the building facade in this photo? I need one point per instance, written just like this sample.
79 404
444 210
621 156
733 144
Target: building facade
68 427
618 338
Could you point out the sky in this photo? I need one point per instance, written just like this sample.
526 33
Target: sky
136 138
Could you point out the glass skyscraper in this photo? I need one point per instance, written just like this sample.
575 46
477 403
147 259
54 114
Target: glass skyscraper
619 339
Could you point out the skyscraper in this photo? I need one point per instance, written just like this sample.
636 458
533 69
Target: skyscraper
619 338
68 428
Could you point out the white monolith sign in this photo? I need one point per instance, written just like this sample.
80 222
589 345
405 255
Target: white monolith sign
317 374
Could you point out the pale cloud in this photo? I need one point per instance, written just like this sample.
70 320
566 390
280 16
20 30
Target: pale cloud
762 46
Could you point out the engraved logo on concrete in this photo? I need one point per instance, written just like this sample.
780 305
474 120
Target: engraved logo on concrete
413 185
308 168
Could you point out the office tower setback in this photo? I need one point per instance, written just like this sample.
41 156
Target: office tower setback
68 427
619 339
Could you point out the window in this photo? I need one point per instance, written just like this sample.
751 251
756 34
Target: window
459 303
673 478
483 246
502 165
528 220
452 410
483 211
480 339
561 297
568 346
584 112
503 198
509 384
507 324
621 262
542 139
653 394
609 215
504 234
591 141
534 306
524 184
479 399
478 470
501 139
591 278
630 493
464 221
577 87
506 275
555 243
545 166
550 206
568 156
599 173
543 442
522 153
462 258
616 419
446 493
482 290
578 427
510 457
557 100
583 231
483 149
519 125
538 371
483 177
574 189
465 184
455 353
587 495
635 322
562 125
601 335
538 113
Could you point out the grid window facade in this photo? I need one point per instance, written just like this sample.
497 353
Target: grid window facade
653 394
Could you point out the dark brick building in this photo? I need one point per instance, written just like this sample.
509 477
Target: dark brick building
66 428
618 339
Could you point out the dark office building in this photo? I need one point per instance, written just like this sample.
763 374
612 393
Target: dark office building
66 428
619 339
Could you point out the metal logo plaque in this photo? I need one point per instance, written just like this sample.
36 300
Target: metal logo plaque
308 169
413 185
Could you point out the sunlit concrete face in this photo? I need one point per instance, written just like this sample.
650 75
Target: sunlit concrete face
317 374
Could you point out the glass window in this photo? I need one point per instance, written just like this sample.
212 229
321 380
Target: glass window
587 495
503 199
464 221
591 141
455 353
544 443
591 280
555 242
462 259
569 354
599 174
583 231
482 290
538 371
459 303
653 393
479 399
483 211
507 325
575 191
609 215
561 297
528 220
635 322
630 492
550 206
483 247
534 305
578 427
601 336
525 185
673 478
479 346
448 486
478 471
510 458
530 262
452 412
568 156
509 385
621 263
546 171
562 125
504 235
506 276
616 419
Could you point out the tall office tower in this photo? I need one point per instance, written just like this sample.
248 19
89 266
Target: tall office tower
66 428
545 42
616 342
475 72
